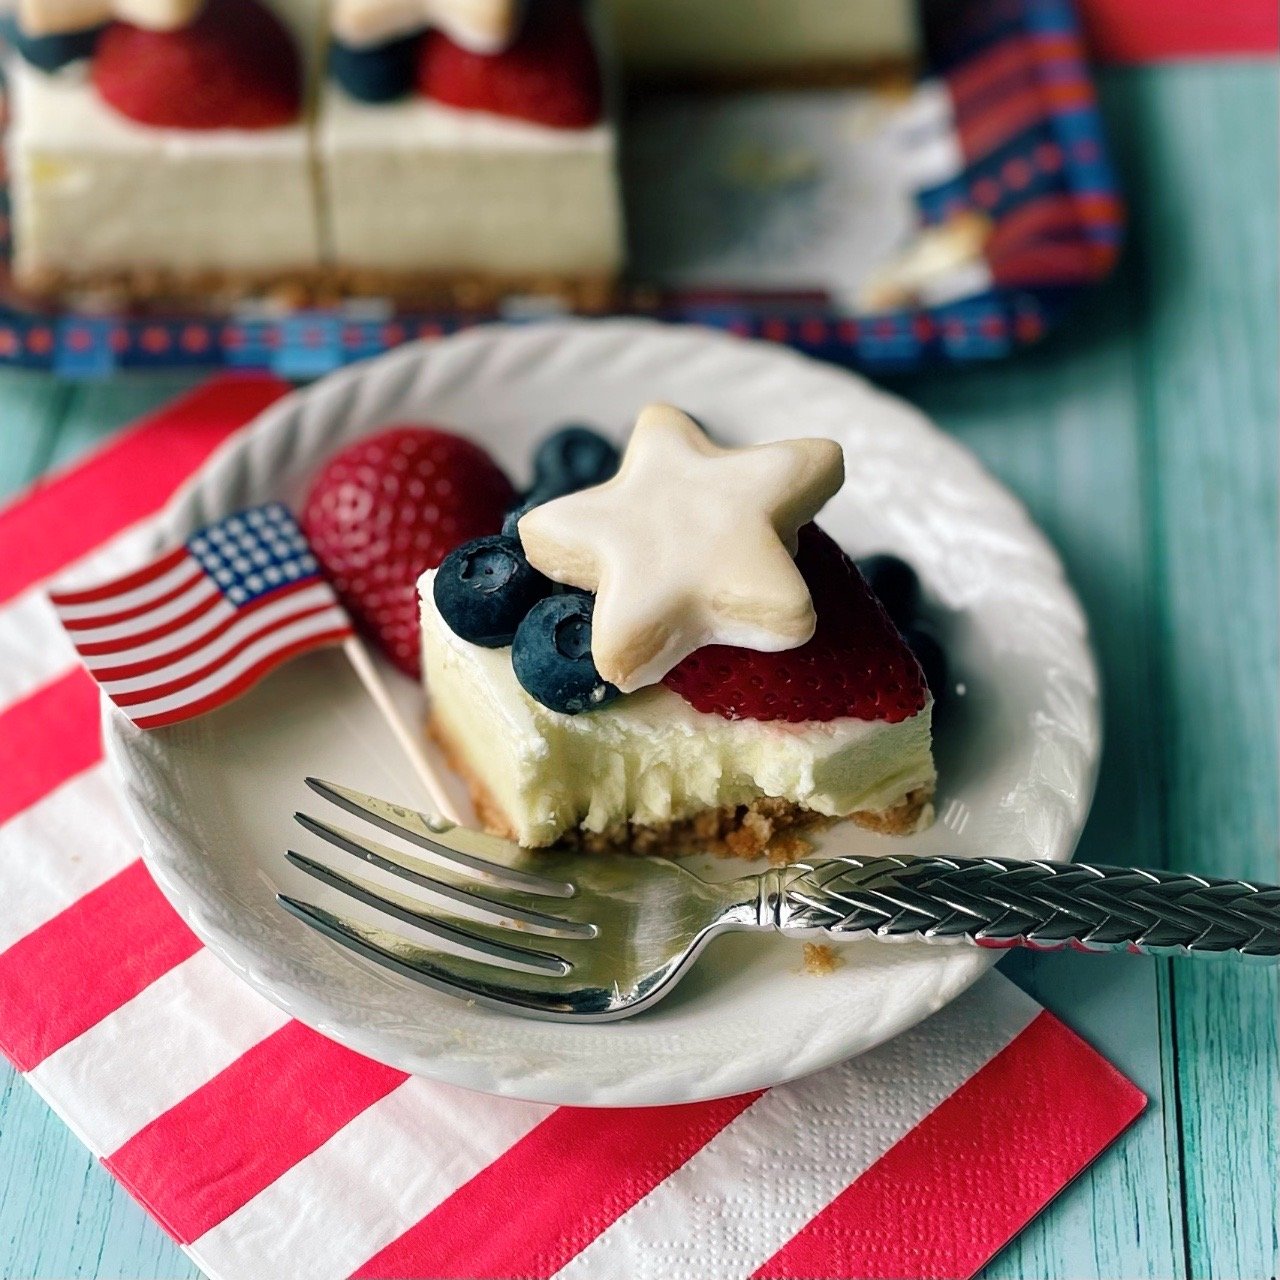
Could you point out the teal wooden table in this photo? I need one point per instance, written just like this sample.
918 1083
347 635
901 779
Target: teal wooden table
1144 439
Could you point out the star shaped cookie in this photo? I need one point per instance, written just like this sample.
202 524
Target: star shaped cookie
485 26
54 17
688 545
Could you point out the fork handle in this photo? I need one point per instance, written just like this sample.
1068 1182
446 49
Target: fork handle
1048 906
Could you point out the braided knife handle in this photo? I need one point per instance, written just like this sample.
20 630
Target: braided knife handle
992 902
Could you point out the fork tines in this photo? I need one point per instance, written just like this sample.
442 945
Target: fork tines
486 932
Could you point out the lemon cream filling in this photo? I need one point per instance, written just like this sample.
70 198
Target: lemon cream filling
94 192
419 186
649 757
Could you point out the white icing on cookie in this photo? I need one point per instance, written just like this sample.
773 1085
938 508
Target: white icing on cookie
485 26
158 15
55 17
688 545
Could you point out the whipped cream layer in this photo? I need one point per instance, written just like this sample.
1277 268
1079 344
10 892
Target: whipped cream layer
650 757
96 192
420 186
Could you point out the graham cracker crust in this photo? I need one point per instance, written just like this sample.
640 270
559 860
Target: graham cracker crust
767 827
490 813
150 287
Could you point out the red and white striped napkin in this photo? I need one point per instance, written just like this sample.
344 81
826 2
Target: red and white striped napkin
265 1149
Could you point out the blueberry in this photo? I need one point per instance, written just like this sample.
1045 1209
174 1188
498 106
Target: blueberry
573 458
49 53
485 587
380 73
895 583
534 498
932 659
511 520
552 655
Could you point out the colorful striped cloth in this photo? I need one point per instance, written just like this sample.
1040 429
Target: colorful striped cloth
265 1149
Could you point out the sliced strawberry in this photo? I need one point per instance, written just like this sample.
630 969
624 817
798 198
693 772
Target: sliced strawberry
856 664
387 508
235 67
549 76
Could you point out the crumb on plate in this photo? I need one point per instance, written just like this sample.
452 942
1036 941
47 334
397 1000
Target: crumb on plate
820 958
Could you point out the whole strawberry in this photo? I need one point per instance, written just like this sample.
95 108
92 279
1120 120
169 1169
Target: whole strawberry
856 664
387 508
550 76
235 67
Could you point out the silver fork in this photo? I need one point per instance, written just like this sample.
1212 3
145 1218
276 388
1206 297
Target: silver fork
575 938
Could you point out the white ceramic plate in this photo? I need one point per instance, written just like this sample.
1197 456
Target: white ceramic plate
1017 752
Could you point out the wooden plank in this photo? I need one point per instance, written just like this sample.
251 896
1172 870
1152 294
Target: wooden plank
61 1213
1061 426
1207 226
95 409
33 406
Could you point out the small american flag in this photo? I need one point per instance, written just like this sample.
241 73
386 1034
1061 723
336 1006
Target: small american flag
198 626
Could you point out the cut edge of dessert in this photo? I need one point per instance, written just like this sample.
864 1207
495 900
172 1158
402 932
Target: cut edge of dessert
771 827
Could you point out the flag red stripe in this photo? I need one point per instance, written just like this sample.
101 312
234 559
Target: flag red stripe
131 582
544 1200
1008 1140
71 972
104 648
47 738
242 682
73 625
1148 30
221 1145
129 669
67 516
152 692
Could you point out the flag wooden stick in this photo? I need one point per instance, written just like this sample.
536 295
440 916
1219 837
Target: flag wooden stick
359 657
